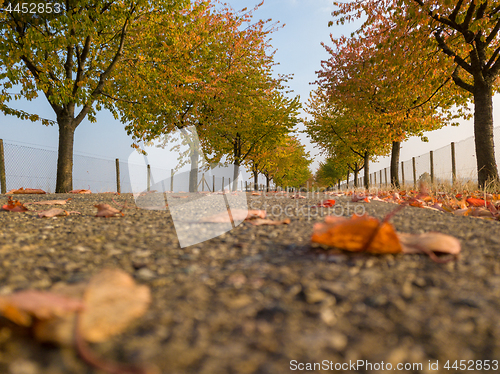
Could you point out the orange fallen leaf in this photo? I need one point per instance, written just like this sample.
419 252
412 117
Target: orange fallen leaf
80 191
270 222
26 191
106 210
326 203
14 206
360 233
364 233
476 202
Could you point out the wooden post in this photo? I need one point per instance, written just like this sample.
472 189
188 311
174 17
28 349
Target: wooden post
380 178
453 164
118 189
213 183
375 178
222 188
414 173
2 169
229 184
149 177
432 166
172 180
202 182
385 173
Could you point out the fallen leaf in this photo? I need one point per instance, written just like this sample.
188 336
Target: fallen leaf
431 243
80 191
270 222
476 202
106 210
360 233
364 233
14 206
112 300
21 306
325 204
237 214
26 191
55 212
50 202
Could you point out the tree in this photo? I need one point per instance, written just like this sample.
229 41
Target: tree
330 172
387 89
465 32
71 57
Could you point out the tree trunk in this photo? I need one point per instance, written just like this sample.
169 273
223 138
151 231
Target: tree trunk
255 180
193 173
268 182
356 172
64 182
236 172
396 147
483 134
347 180
366 162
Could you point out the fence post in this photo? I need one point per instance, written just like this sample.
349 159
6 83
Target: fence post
172 180
385 173
414 173
402 174
229 184
432 166
380 178
118 189
453 164
222 188
149 177
2 169
213 183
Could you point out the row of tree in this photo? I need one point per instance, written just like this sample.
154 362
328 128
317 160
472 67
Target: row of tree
158 67
412 66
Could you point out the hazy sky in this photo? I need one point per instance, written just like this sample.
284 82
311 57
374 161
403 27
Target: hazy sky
298 52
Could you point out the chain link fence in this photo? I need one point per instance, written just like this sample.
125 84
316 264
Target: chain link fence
454 162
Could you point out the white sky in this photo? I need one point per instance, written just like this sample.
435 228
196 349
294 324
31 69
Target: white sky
298 52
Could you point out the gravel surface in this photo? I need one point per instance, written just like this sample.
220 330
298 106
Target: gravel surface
259 299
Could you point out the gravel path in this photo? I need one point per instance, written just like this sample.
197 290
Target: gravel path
256 299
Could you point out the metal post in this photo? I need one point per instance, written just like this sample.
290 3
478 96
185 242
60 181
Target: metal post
402 174
213 183
414 173
432 166
222 188
229 184
149 177
2 168
118 189
453 164
172 180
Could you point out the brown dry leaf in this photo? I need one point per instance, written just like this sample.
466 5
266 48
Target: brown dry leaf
56 212
237 214
19 307
431 243
26 191
106 210
50 202
112 300
265 221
